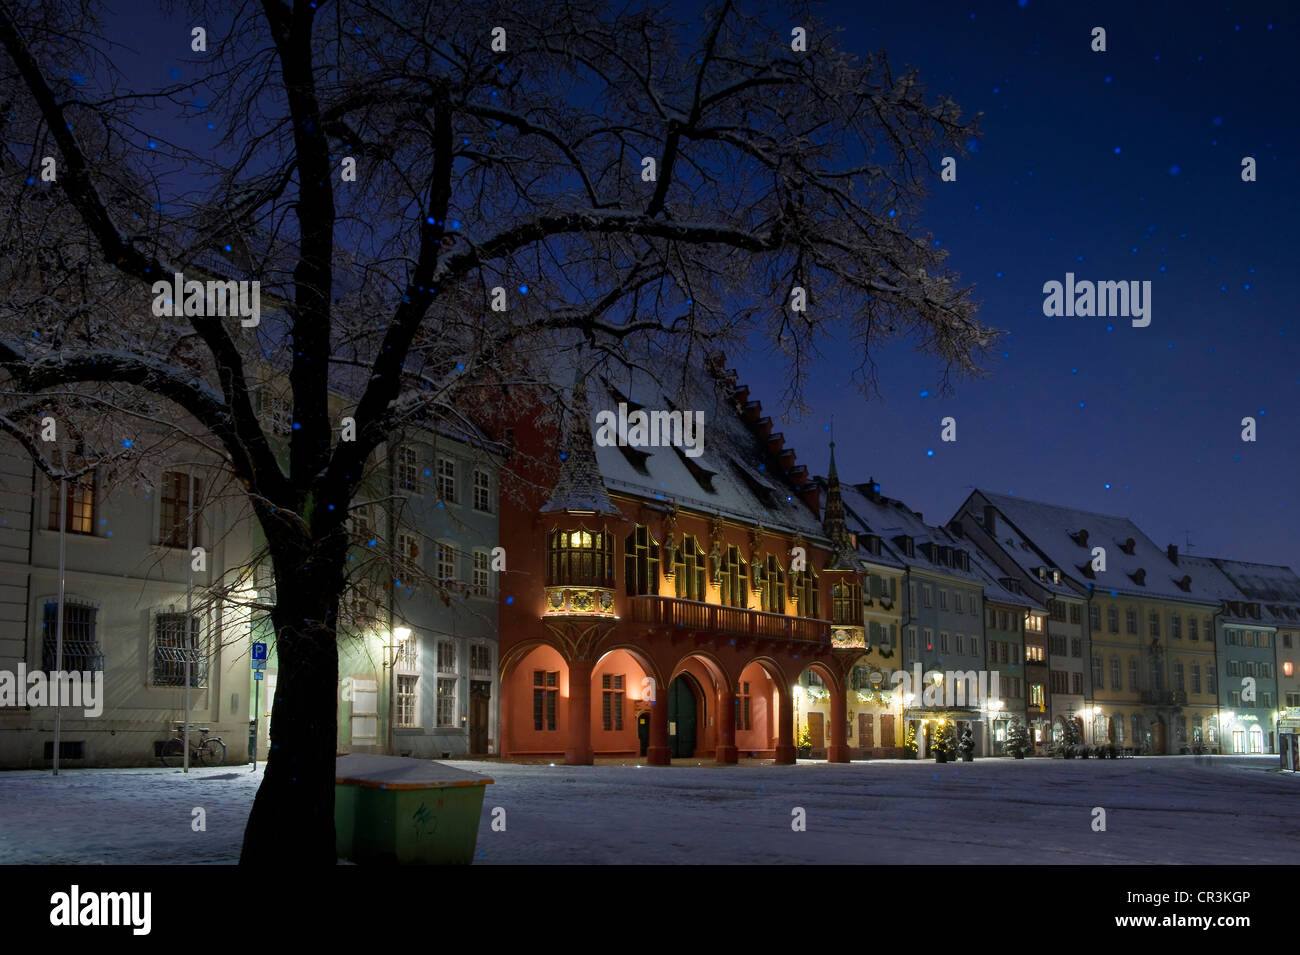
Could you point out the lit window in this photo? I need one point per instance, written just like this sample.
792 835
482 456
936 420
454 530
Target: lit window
446 702
79 499
689 570
733 579
406 697
580 557
846 604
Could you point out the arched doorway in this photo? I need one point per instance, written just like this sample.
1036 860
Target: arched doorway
1158 736
686 706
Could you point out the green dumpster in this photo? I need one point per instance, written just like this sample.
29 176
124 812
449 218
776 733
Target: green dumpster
397 810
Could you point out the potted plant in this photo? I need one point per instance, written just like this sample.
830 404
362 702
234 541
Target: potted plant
909 742
1018 740
967 745
945 743
804 743
1071 741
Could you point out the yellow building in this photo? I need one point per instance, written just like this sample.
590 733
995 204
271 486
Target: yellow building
866 582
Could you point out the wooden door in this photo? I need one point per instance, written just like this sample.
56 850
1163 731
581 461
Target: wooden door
817 729
866 730
887 737
480 698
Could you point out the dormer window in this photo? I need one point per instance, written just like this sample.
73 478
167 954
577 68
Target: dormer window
905 544
1129 546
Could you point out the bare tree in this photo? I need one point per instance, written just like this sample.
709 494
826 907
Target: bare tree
602 175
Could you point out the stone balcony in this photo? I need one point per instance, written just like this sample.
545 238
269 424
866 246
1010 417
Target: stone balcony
718 618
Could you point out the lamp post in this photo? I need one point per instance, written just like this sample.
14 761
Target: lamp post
58 622
399 635
994 709
189 607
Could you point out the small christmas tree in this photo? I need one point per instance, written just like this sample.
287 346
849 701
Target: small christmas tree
909 741
967 745
1073 736
1018 739
945 740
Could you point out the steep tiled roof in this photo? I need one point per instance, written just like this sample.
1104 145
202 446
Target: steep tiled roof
1066 536
579 486
1276 588
734 475
993 588
869 512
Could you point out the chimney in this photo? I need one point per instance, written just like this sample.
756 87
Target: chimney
1172 551
991 519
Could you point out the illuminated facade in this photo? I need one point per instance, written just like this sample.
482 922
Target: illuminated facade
1145 624
658 604
1265 608
941 621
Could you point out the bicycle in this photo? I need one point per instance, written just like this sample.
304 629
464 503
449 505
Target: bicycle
206 751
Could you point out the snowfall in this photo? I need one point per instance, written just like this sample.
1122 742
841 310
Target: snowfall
1230 810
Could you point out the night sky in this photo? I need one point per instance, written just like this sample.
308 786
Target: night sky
1123 165
1116 166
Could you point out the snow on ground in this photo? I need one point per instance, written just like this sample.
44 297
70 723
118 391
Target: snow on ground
1237 810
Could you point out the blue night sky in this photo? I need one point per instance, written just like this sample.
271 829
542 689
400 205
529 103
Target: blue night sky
1121 165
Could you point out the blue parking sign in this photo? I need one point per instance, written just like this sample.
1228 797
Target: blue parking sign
259 651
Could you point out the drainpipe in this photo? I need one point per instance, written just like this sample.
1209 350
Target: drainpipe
902 642
391 521
1218 686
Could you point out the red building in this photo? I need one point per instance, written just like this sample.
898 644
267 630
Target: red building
663 599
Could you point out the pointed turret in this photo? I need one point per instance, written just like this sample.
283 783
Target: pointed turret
833 522
579 488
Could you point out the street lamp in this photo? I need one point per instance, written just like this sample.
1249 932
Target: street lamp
400 636
994 709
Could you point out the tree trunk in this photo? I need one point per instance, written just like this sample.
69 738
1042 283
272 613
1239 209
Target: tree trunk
292 821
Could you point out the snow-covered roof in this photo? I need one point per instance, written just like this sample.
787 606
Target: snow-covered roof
1276 588
731 475
1212 580
994 590
1066 537
869 512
